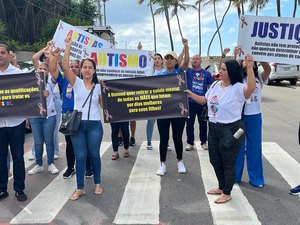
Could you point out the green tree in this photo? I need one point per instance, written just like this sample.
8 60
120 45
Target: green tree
153 20
257 5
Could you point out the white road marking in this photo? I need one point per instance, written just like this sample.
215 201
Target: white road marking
140 202
235 212
44 207
286 165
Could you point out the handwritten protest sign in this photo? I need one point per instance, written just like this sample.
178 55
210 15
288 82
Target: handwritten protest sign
80 39
22 95
145 98
270 39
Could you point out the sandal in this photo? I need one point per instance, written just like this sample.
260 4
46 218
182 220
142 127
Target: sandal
115 156
222 199
77 194
215 191
126 154
98 189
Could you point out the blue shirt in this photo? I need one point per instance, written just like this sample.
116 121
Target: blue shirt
198 81
179 70
67 93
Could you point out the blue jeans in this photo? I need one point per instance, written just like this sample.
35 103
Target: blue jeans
195 110
149 129
15 137
42 130
252 148
88 141
57 104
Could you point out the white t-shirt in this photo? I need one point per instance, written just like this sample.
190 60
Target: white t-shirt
80 95
50 102
225 103
253 104
11 122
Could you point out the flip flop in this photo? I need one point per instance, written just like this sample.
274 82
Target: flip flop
215 191
115 156
77 194
98 189
222 199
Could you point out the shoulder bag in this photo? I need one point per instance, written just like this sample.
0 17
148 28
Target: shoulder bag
71 121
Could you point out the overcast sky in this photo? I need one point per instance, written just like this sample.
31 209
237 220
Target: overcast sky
132 23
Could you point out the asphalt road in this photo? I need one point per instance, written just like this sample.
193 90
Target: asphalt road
133 194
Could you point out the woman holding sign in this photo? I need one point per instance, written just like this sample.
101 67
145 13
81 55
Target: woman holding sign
89 137
177 124
225 100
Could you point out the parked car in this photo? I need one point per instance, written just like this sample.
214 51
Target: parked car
280 72
213 69
26 66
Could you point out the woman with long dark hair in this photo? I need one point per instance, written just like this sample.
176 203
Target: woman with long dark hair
225 100
89 137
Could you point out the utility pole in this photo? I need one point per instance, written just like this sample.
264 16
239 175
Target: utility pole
99 11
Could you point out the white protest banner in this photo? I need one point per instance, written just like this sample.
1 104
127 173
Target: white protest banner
270 39
121 63
81 40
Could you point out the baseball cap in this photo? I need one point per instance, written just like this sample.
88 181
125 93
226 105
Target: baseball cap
171 53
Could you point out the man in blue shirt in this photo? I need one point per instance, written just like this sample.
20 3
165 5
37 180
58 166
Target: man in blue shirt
198 81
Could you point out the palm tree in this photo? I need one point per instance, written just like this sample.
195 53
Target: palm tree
295 7
176 4
239 4
164 8
257 4
278 8
153 20
198 2
218 26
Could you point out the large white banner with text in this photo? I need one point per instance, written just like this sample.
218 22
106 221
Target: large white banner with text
270 39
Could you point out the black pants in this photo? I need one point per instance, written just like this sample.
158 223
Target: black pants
223 151
15 137
71 156
177 130
115 127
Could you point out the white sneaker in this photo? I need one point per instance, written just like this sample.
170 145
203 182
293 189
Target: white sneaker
162 169
52 168
181 167
55 156
189 147
36 169
169 148
204 146
31 157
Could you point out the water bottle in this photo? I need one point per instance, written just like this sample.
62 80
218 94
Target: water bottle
238 133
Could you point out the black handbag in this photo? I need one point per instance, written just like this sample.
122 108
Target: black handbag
71 121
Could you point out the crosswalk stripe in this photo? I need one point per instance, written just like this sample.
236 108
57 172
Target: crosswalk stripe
286 165
235 212
43 210
140 202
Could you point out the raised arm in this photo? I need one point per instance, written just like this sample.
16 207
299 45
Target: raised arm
71 77
185 63
53 57
251 83
36 56
267 70
222 59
